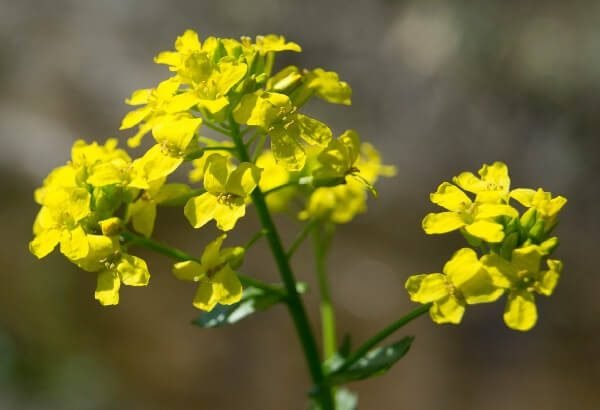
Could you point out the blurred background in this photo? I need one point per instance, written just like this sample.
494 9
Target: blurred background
440 87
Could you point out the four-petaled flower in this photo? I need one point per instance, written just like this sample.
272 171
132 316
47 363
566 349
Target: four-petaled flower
476 217
217 280
522 277
464 282
227 192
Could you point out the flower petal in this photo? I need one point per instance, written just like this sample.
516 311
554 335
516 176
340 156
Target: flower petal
450 197
447 310
427 288
491 232
520 312
107 288
442 222
227 285
200 209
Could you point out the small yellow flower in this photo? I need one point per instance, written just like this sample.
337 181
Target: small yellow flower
217 280
275 114
477 218
492 185
227 192
522 277
464 282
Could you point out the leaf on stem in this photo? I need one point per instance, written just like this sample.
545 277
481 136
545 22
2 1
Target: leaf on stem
374 363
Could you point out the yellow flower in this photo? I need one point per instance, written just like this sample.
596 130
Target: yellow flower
217 280
492 185
227 192
174 135
477 218
288 129
464 282
522 277
59 221
113 267
155 103
546 207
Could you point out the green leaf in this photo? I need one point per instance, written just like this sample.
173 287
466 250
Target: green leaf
253 300
374 363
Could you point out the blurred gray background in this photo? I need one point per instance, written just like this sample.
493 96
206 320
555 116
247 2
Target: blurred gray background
439 87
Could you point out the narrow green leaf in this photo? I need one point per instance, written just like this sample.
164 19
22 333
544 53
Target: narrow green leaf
374 363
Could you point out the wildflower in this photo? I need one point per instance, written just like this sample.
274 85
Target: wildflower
174 135
476 218
155 103
276 115
59 221
227 191
522 276
546 208
493 183
464 282
341 203
113 267
217 280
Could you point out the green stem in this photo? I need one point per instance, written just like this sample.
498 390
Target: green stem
300 238
177 254
321 241
255 238
294 302
384 333
279 187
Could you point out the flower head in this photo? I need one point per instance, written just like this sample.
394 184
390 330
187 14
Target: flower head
215 275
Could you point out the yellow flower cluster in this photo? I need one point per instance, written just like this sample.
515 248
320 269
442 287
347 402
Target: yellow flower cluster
228 86
516 248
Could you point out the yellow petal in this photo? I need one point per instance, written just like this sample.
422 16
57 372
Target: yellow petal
227 215
549 278
427 288
450 197
463 265
502 272
487 211
488 231
243 179
520 312
44 242
523 195
139 97
107 288
182 102
206 298
310 130
447 310
287 151
143 214
133 271
210 256
216 174
227 286
74 243
200 209
189 270
133 118
442 222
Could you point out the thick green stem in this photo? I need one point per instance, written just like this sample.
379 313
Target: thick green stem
294 302
384 333
321 241
177 254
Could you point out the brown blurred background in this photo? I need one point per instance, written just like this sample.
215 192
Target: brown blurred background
438 87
